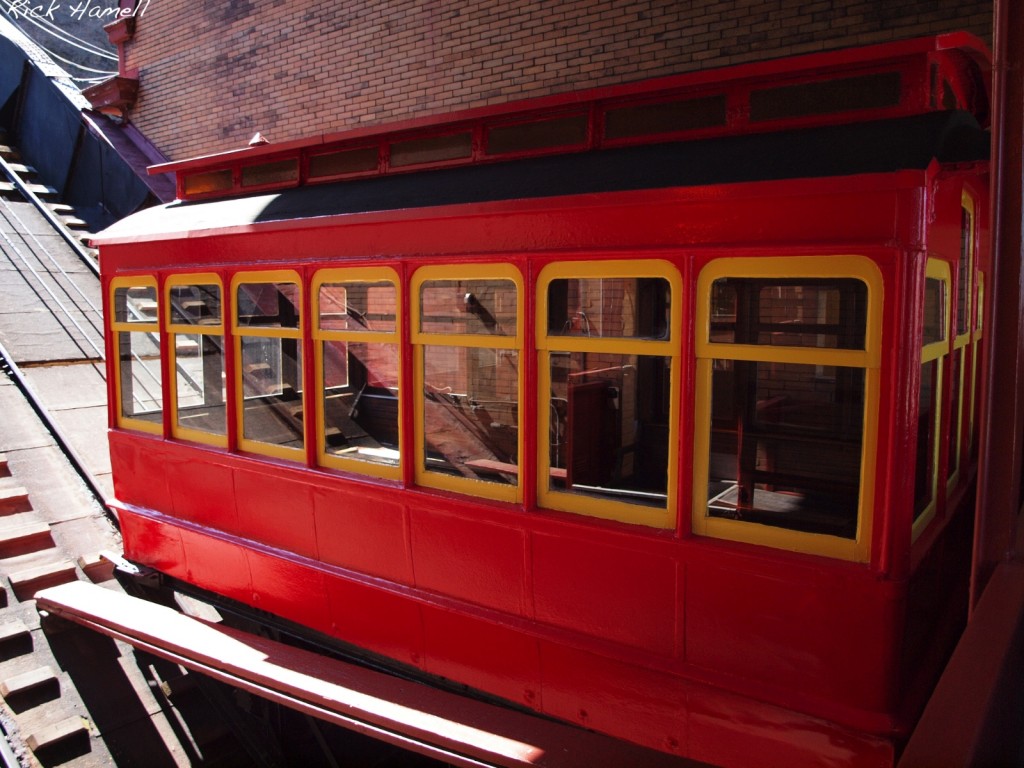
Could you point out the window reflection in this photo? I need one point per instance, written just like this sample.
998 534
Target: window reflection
359 376
469 363
141 389
197 336
270 364
787 437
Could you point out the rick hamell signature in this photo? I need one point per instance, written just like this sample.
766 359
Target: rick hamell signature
52 10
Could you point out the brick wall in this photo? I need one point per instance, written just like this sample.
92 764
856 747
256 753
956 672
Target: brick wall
212 74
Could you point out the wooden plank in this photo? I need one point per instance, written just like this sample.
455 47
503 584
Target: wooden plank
51 735
511 469
30 682
417 717
26 583
27 537
15 640
14 500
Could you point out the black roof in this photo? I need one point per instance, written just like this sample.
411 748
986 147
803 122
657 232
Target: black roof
867 147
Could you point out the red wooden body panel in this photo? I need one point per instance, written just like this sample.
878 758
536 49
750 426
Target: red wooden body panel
259 499
363 532
628 596
741 613
634 220
732 653
466 557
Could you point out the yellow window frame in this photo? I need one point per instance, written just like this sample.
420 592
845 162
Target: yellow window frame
420 339
936 269
202 278
355 275
268 276
869 359
976 336
960 341
608 509
139 281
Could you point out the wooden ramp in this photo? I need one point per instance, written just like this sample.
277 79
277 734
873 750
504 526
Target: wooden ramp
426 720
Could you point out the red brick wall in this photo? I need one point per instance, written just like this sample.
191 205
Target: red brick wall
212 74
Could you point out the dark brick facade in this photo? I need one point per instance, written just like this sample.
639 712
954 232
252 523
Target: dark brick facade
212 74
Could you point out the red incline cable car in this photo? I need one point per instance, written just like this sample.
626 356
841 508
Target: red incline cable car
652 409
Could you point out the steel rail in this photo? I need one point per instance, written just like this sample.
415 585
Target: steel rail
67 313
8 366
27 231
7 757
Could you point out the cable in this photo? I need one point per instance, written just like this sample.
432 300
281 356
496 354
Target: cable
76 64
52 29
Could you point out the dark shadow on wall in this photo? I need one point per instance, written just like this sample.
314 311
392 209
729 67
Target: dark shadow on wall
85 156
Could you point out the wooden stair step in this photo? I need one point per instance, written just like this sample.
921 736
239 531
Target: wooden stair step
53 735
21 169
14 500
42 190
73 222
15 639
9 153
30 689
26 537
96 568
26 583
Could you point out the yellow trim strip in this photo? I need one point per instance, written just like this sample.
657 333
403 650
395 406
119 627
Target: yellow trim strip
764 353
616 346
358 337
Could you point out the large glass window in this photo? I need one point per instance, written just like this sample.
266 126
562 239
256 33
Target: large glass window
357 346
787 382
934 356
268 363
195 327
608 369
979 304
467 333
136 329
959 373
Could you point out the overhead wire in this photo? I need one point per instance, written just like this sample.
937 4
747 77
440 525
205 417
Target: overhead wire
15 12
52 29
